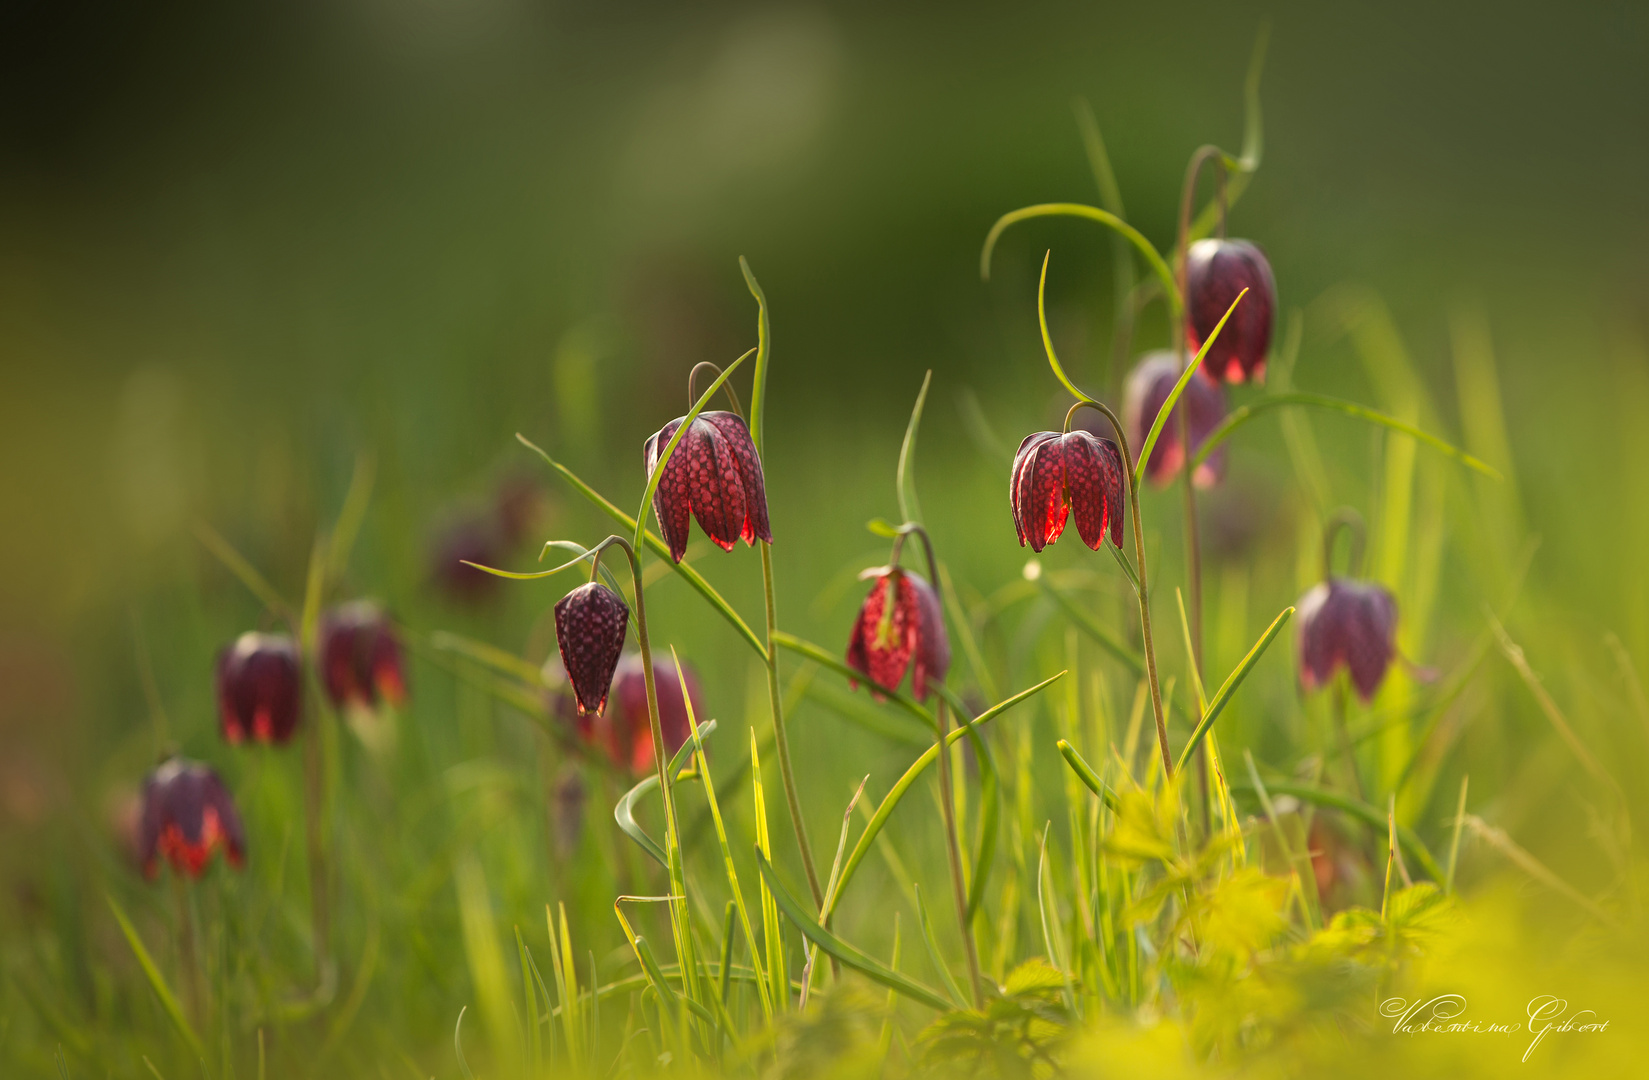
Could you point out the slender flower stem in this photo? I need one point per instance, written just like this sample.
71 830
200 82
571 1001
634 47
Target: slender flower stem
1144 579
1193 539
314 806
188 954
947 797
781 741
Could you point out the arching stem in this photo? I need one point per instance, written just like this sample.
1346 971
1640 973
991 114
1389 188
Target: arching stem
1344 518
692 379
781 740
1144 579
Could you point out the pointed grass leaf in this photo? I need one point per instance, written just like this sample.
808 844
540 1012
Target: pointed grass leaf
1086 774
764 353
624 811
936 956
1222 696
841 950
1153 258
1368 815
1142 454
909 508
157 981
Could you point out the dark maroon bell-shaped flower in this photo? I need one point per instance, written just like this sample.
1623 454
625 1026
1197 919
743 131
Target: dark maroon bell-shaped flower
187 815
1215 272
260 690
361 661
1202 403
1056 474
590 623
899 622
713 475
1347 624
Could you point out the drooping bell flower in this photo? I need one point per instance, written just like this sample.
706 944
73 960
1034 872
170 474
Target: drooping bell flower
187 815
260 688
590 623
473 538
1215 272
715 476
1202 403
1346 624
1056 474
361 661
900 622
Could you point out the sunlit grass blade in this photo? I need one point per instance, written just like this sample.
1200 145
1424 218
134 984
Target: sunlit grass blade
1086 774
675 440
830 885
1190 654
764 353
1305 879
1497 839
348 526
1222 696
1454 839
1242 169
841 950
891 802
1142 453
566 985
936 955
529 995
1153 258
1241 415
884 1041
1050 935
1362 811
737 902
157 981
500 660
458 1044
778 973
484 958
624 811
656 546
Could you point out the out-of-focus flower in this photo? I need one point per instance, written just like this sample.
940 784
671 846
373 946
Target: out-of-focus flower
1346 624
714 475
590 623
188 815
520 504
1202 404
1216 271
468 539
361 662
623 729
567 812
900 621
260 688
1056 474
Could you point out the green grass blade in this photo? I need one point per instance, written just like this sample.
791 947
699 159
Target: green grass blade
1086 774
1091 626
1153 258
778 972
891 802
624 811
1142 454
168 1000
237 564
1454 840
675 440
1222 696
458 1044
656 546
529 995
909 508
840 949
1049 926
764 352
785 640
1239 417
936 956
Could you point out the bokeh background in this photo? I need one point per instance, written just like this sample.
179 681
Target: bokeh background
241 246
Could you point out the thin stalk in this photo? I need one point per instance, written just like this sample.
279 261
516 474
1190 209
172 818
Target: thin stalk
953 853
188 954
1144 578
313 799
781 741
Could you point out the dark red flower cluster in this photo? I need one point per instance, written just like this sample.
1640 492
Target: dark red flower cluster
260 688
900 622
1054 475
187 815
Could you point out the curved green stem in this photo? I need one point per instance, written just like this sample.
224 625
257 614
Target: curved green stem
1241 416
1092 213
1344 518
781 739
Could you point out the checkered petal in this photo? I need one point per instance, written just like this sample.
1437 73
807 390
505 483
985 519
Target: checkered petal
590 623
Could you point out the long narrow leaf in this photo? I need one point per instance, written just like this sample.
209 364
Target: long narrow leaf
841 950
624 812
1142 454
1359 810
891 802
813 652
936 956
909 508
1222 696
764 353
1240 416
168 1000
1153 258
1086 774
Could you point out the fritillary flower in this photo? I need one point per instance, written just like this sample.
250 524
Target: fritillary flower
714 475
1216 271
187 816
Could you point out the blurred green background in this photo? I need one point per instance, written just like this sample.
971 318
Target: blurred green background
239 247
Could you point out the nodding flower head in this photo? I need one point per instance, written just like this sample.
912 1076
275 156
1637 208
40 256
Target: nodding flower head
1202 403
624 731
1054 474
590 623
1347 624
361 661
716 476
1215 272
260 689
187 815
899 621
